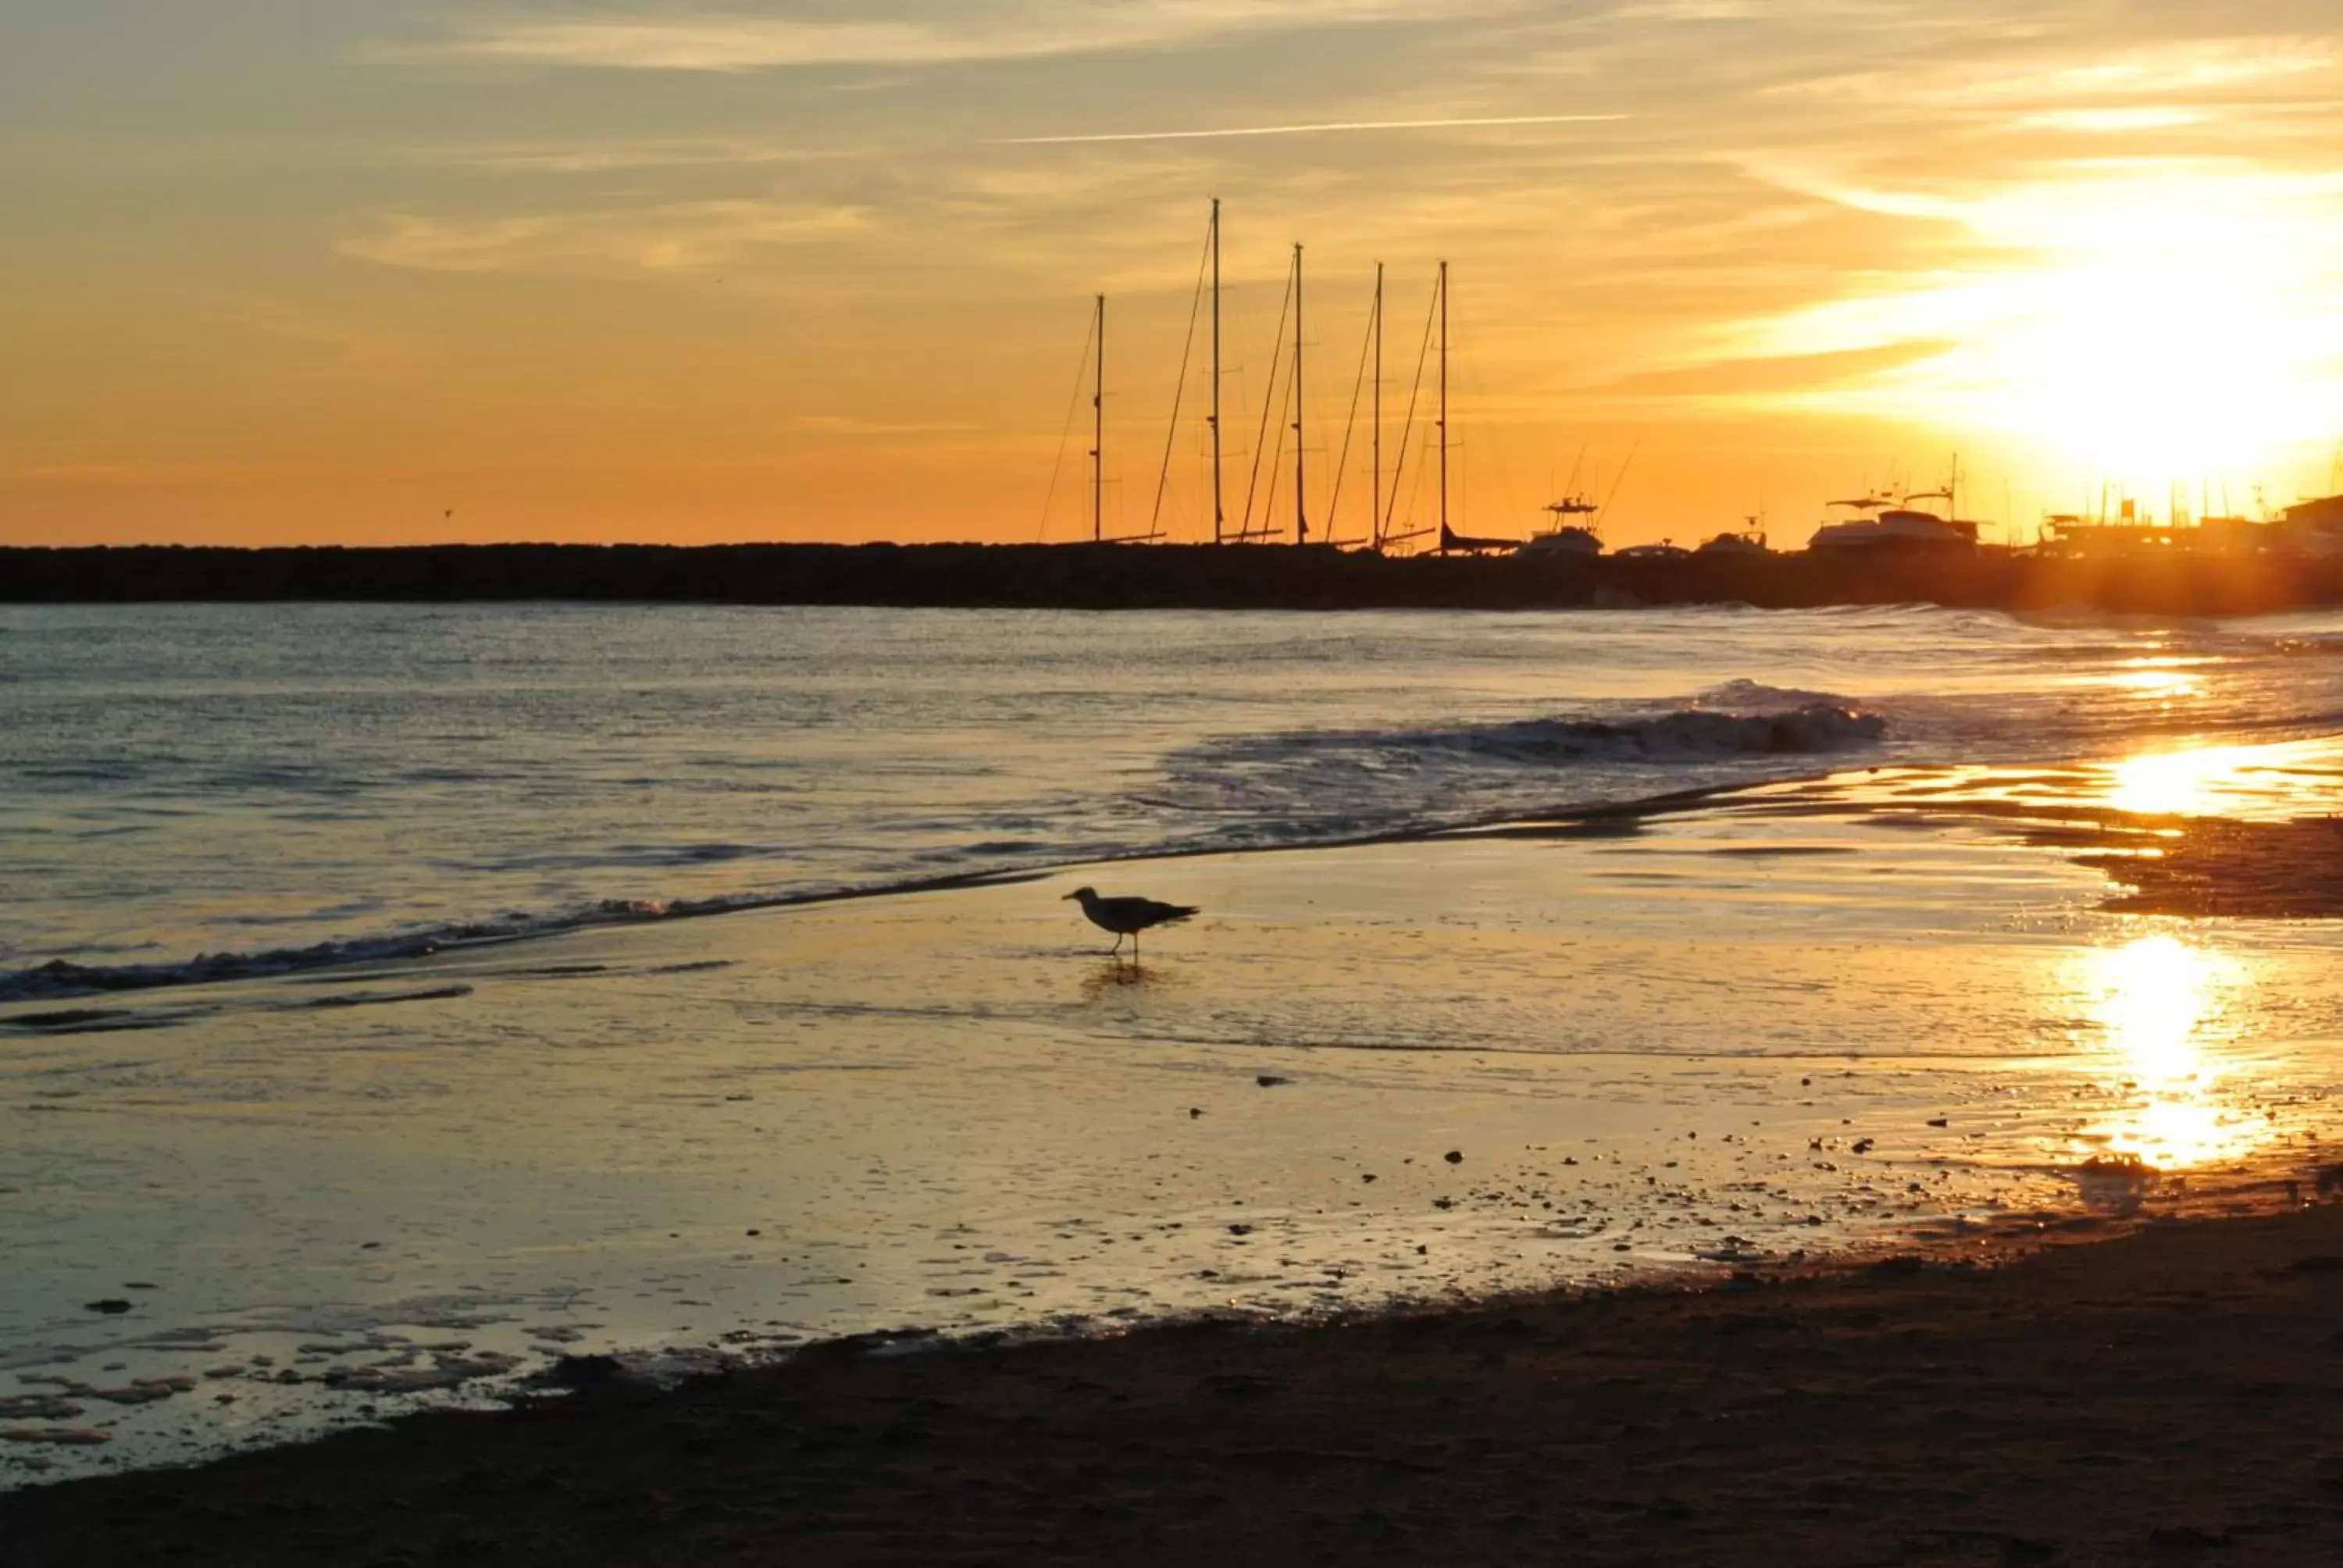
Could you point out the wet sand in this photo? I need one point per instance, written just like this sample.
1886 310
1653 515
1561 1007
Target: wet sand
2176 1396
2258 870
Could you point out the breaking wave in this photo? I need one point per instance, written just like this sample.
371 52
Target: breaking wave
60 978
1286 789
1820 724
1690 734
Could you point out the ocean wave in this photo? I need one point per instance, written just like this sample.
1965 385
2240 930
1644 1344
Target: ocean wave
60 978
1713 731
2090 617
1340 776
1691 734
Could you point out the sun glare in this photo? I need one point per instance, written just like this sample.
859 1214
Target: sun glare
2154 999
2159 678
2176 783
2159 323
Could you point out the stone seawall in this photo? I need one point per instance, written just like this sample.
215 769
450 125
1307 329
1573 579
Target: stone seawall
1090 577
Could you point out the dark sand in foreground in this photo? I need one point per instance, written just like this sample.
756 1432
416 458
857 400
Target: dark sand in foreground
2172 1396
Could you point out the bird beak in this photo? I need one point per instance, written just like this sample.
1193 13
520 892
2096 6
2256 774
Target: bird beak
1067 900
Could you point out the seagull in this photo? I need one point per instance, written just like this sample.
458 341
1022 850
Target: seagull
1127 917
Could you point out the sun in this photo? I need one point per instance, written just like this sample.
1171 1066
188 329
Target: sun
2167 324
2158 322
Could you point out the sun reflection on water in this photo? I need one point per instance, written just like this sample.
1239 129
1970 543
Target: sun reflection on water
2153 678
2177 783
2159 1001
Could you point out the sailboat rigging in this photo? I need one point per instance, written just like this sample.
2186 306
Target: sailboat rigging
1385 534
1449 539
1180 394
1370 352
1098 440
1220 509
1284 404
1301 468
1246 532
1098 429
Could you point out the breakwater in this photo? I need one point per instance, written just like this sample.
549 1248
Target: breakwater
1110 576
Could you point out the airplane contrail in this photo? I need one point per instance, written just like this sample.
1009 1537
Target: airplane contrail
1301 130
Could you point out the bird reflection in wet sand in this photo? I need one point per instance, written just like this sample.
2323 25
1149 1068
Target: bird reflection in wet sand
1127 917
1116 980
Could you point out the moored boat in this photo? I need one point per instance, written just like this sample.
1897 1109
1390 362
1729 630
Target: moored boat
1884 525
1565 537
1749 541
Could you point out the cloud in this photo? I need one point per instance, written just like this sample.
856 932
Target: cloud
848 425
973 30
2194 67
1850 194
2116 121
1304 130
679 237
622 157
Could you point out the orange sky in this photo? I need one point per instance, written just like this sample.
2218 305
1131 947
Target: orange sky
626 269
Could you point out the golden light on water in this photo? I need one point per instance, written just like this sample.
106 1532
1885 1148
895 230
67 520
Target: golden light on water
2177 783
2156 1001
2161 678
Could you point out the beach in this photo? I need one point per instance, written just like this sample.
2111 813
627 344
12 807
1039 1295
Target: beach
702 1187
1065 781
2167 1397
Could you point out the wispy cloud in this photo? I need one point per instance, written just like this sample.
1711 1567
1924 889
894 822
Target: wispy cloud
1308 130
975 30
2157 73
675 238
2114 122
586 158
849 425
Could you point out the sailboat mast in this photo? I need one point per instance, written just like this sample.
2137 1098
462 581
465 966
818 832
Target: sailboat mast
1098 431
1219 510
1376 479
1444 403
1300 516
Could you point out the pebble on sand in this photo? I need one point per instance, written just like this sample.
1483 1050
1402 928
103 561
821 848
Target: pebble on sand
36 1407
61 1436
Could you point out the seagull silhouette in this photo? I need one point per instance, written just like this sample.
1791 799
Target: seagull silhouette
1127 917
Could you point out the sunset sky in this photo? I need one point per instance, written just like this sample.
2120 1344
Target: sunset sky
360 271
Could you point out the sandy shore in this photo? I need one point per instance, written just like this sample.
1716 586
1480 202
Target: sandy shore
2173 1396
1380 1085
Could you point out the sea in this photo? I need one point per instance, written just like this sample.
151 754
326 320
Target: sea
199 791
397 1000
